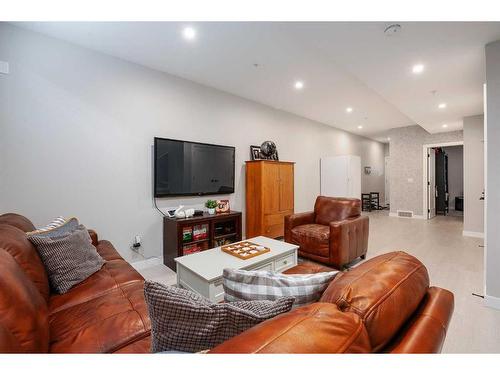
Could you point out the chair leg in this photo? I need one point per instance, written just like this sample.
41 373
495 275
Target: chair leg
363 256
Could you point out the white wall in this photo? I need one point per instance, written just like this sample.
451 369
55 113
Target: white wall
473 175
455 173
492 137
77 129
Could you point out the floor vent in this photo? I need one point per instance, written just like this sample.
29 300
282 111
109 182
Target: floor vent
405 213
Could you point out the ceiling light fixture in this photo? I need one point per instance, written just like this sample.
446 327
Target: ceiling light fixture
388 138
348 109
360 126
189 33
418 68
442 105
445 125
299 85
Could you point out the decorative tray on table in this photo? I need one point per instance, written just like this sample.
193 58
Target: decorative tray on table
245 249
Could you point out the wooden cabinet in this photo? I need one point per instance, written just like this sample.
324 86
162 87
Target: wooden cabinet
269 197
198 233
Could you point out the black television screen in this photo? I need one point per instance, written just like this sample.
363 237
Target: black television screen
190 168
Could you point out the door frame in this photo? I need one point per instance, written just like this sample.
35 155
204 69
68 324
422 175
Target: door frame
425 150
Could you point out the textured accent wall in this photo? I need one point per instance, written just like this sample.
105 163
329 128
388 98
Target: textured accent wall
406 165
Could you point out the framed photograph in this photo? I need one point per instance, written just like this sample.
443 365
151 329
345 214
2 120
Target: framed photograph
255 153
222 206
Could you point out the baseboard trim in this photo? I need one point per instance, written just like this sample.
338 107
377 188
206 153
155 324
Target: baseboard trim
394 214
468 233
493 302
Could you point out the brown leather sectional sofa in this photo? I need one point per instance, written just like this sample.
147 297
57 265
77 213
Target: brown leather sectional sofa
382 305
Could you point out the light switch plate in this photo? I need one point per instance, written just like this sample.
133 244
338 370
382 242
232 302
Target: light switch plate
4 67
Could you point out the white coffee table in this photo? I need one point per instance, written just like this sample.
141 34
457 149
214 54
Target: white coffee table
202 272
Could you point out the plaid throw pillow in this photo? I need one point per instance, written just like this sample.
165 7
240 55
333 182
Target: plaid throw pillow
265 285
182 320
69 259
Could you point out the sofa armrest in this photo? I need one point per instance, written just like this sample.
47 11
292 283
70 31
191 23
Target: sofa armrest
294 220
93 236
348 240
426 330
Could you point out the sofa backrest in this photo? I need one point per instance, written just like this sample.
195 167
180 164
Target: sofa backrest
18 221
328 209
16 243
315 328
24 325
384 291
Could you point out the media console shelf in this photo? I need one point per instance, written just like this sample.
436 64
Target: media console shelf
198 233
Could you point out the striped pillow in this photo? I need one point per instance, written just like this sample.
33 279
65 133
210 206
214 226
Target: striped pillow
266 285
56 223
68 259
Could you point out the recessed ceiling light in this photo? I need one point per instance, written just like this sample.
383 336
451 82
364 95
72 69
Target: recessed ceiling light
388 138
442 105
418 68
189 33
299 85
360 126
445 125
348 109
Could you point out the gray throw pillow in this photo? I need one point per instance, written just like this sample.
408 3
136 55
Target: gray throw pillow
241 285
182 320
69 259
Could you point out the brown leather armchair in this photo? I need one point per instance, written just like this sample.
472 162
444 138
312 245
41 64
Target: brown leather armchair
334 233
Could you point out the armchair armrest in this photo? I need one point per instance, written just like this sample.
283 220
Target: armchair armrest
93 236
294 220
348 240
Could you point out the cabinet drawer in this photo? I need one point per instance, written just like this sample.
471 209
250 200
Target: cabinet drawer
284 262
274 231
264 267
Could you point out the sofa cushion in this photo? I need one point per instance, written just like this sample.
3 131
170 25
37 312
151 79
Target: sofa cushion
18 221
113 274
16 243
140 346
186 321
328 209
104 324
23 311
69 259
384 291
313 238
316 328
307 266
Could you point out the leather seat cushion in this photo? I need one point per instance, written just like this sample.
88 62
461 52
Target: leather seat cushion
107 251
102 325
16 243
140 346
23 311
112 275
18 221
328 209
312 239
307 267
315 328
384 291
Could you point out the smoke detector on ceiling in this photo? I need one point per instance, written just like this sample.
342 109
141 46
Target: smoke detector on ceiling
392 29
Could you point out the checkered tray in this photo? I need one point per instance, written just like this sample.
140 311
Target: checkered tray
245 249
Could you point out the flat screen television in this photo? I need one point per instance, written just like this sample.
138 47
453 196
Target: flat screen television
191 168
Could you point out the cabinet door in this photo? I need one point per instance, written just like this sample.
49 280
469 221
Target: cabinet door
270 187
286 187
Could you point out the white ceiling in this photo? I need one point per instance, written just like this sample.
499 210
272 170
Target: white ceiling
342 64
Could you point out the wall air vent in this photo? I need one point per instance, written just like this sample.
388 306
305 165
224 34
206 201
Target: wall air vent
408 214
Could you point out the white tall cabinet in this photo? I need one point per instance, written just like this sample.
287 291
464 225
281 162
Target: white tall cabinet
341 176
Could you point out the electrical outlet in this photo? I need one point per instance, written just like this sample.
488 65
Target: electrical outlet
136 245
4 67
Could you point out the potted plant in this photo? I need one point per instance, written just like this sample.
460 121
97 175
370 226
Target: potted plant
211 205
